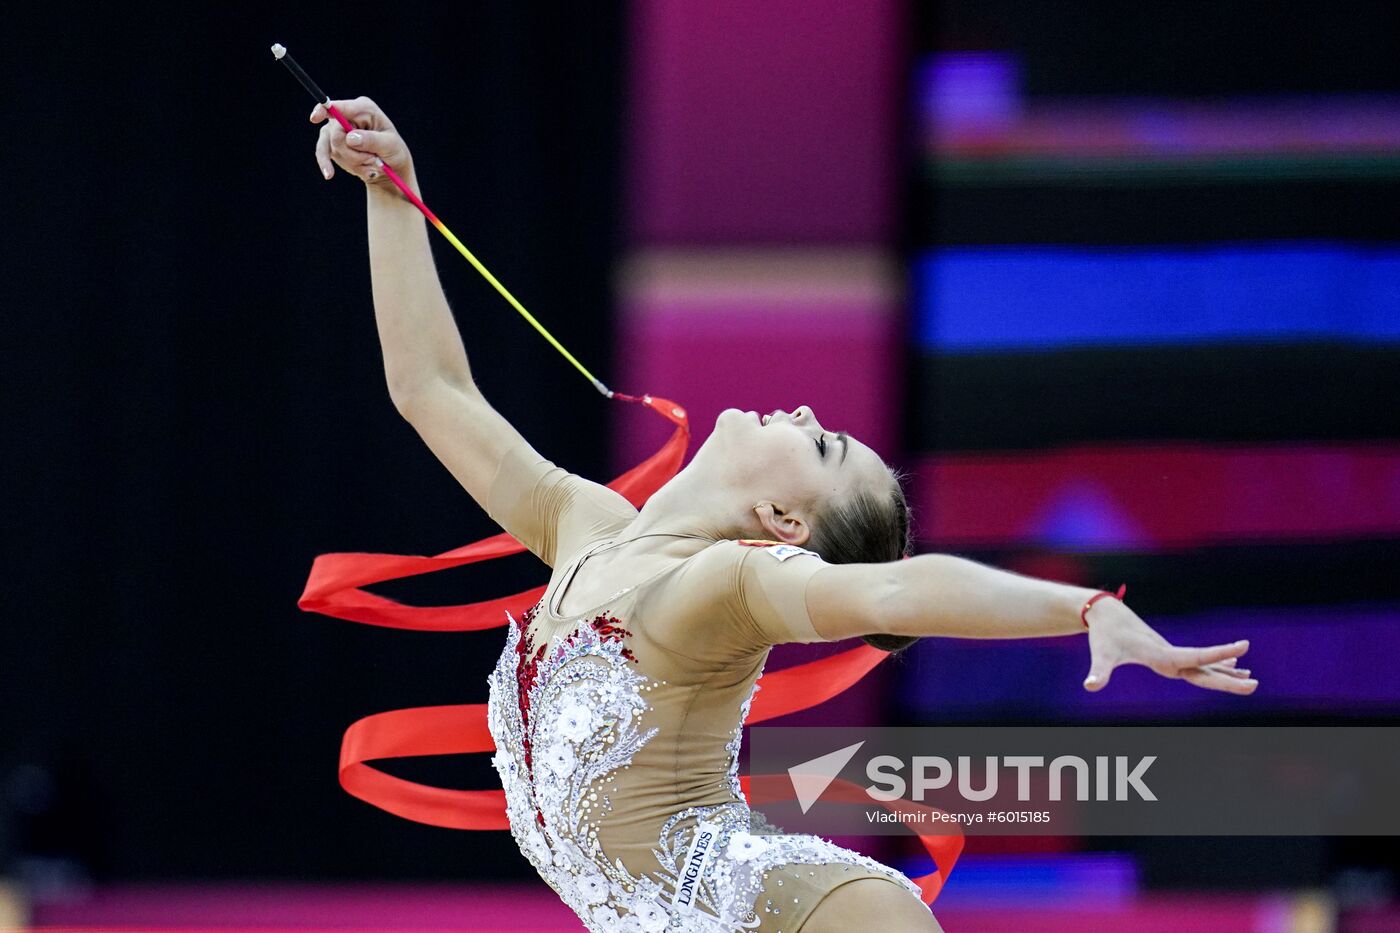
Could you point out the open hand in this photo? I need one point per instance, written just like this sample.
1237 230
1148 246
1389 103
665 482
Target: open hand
360 151
1117 636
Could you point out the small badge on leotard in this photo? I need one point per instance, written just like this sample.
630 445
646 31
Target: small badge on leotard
776 548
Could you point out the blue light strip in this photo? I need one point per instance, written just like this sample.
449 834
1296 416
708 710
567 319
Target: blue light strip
1063 880
1007 298
1335 658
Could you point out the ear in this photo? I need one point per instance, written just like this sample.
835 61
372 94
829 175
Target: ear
787 527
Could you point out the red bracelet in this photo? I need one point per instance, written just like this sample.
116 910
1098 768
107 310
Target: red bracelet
1083 617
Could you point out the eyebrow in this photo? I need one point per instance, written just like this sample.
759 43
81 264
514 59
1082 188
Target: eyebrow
845 439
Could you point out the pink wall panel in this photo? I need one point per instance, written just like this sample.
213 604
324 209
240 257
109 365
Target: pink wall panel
755 125
764 122
844 362
1141 497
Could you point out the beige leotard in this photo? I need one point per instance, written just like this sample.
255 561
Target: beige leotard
618 728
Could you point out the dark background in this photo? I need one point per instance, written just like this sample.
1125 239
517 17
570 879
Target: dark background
196 408
195 405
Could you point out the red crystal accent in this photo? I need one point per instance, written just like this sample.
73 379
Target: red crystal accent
609 628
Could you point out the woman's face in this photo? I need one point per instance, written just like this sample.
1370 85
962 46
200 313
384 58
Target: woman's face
787 458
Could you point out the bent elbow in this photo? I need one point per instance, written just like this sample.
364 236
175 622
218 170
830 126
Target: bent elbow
413 396
406 402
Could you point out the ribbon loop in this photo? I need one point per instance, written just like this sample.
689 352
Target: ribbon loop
336 587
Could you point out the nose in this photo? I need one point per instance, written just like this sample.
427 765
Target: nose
801 415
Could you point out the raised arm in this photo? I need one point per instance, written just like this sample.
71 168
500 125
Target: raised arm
425 363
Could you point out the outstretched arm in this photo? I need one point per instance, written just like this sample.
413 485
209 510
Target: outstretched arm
942 594
548 509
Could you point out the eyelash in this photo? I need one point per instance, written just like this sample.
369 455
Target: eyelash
821 446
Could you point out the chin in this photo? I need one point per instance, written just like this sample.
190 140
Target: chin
740 416
729 443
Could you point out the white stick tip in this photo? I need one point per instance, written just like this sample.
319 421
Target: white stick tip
278 50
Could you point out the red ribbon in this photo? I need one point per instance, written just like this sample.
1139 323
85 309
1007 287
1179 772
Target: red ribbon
335 588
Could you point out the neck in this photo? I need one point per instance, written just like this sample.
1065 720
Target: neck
676 509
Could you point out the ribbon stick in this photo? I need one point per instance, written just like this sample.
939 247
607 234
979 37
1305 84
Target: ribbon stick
336 587
280 52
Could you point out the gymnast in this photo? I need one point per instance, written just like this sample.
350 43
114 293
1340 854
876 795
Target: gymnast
617 702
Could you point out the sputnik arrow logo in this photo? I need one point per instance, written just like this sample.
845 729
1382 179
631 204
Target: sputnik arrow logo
810 778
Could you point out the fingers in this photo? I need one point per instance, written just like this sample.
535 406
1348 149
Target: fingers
1228 667
321 114
1200 657
1216 679
361 112
333 148
323 152
371 141
360 149
1097 680
1211 668
1100 670
355 157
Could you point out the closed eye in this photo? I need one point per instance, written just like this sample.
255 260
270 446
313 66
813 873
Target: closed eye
821 446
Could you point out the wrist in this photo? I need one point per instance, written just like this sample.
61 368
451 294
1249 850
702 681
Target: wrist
1060 613
384 188
1068 603
1097 597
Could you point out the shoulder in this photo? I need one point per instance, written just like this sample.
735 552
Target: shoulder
595 502
550 510
748 592
722 566
541 473
784 593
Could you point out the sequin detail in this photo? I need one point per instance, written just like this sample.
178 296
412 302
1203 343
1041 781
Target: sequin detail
566 716
527 664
